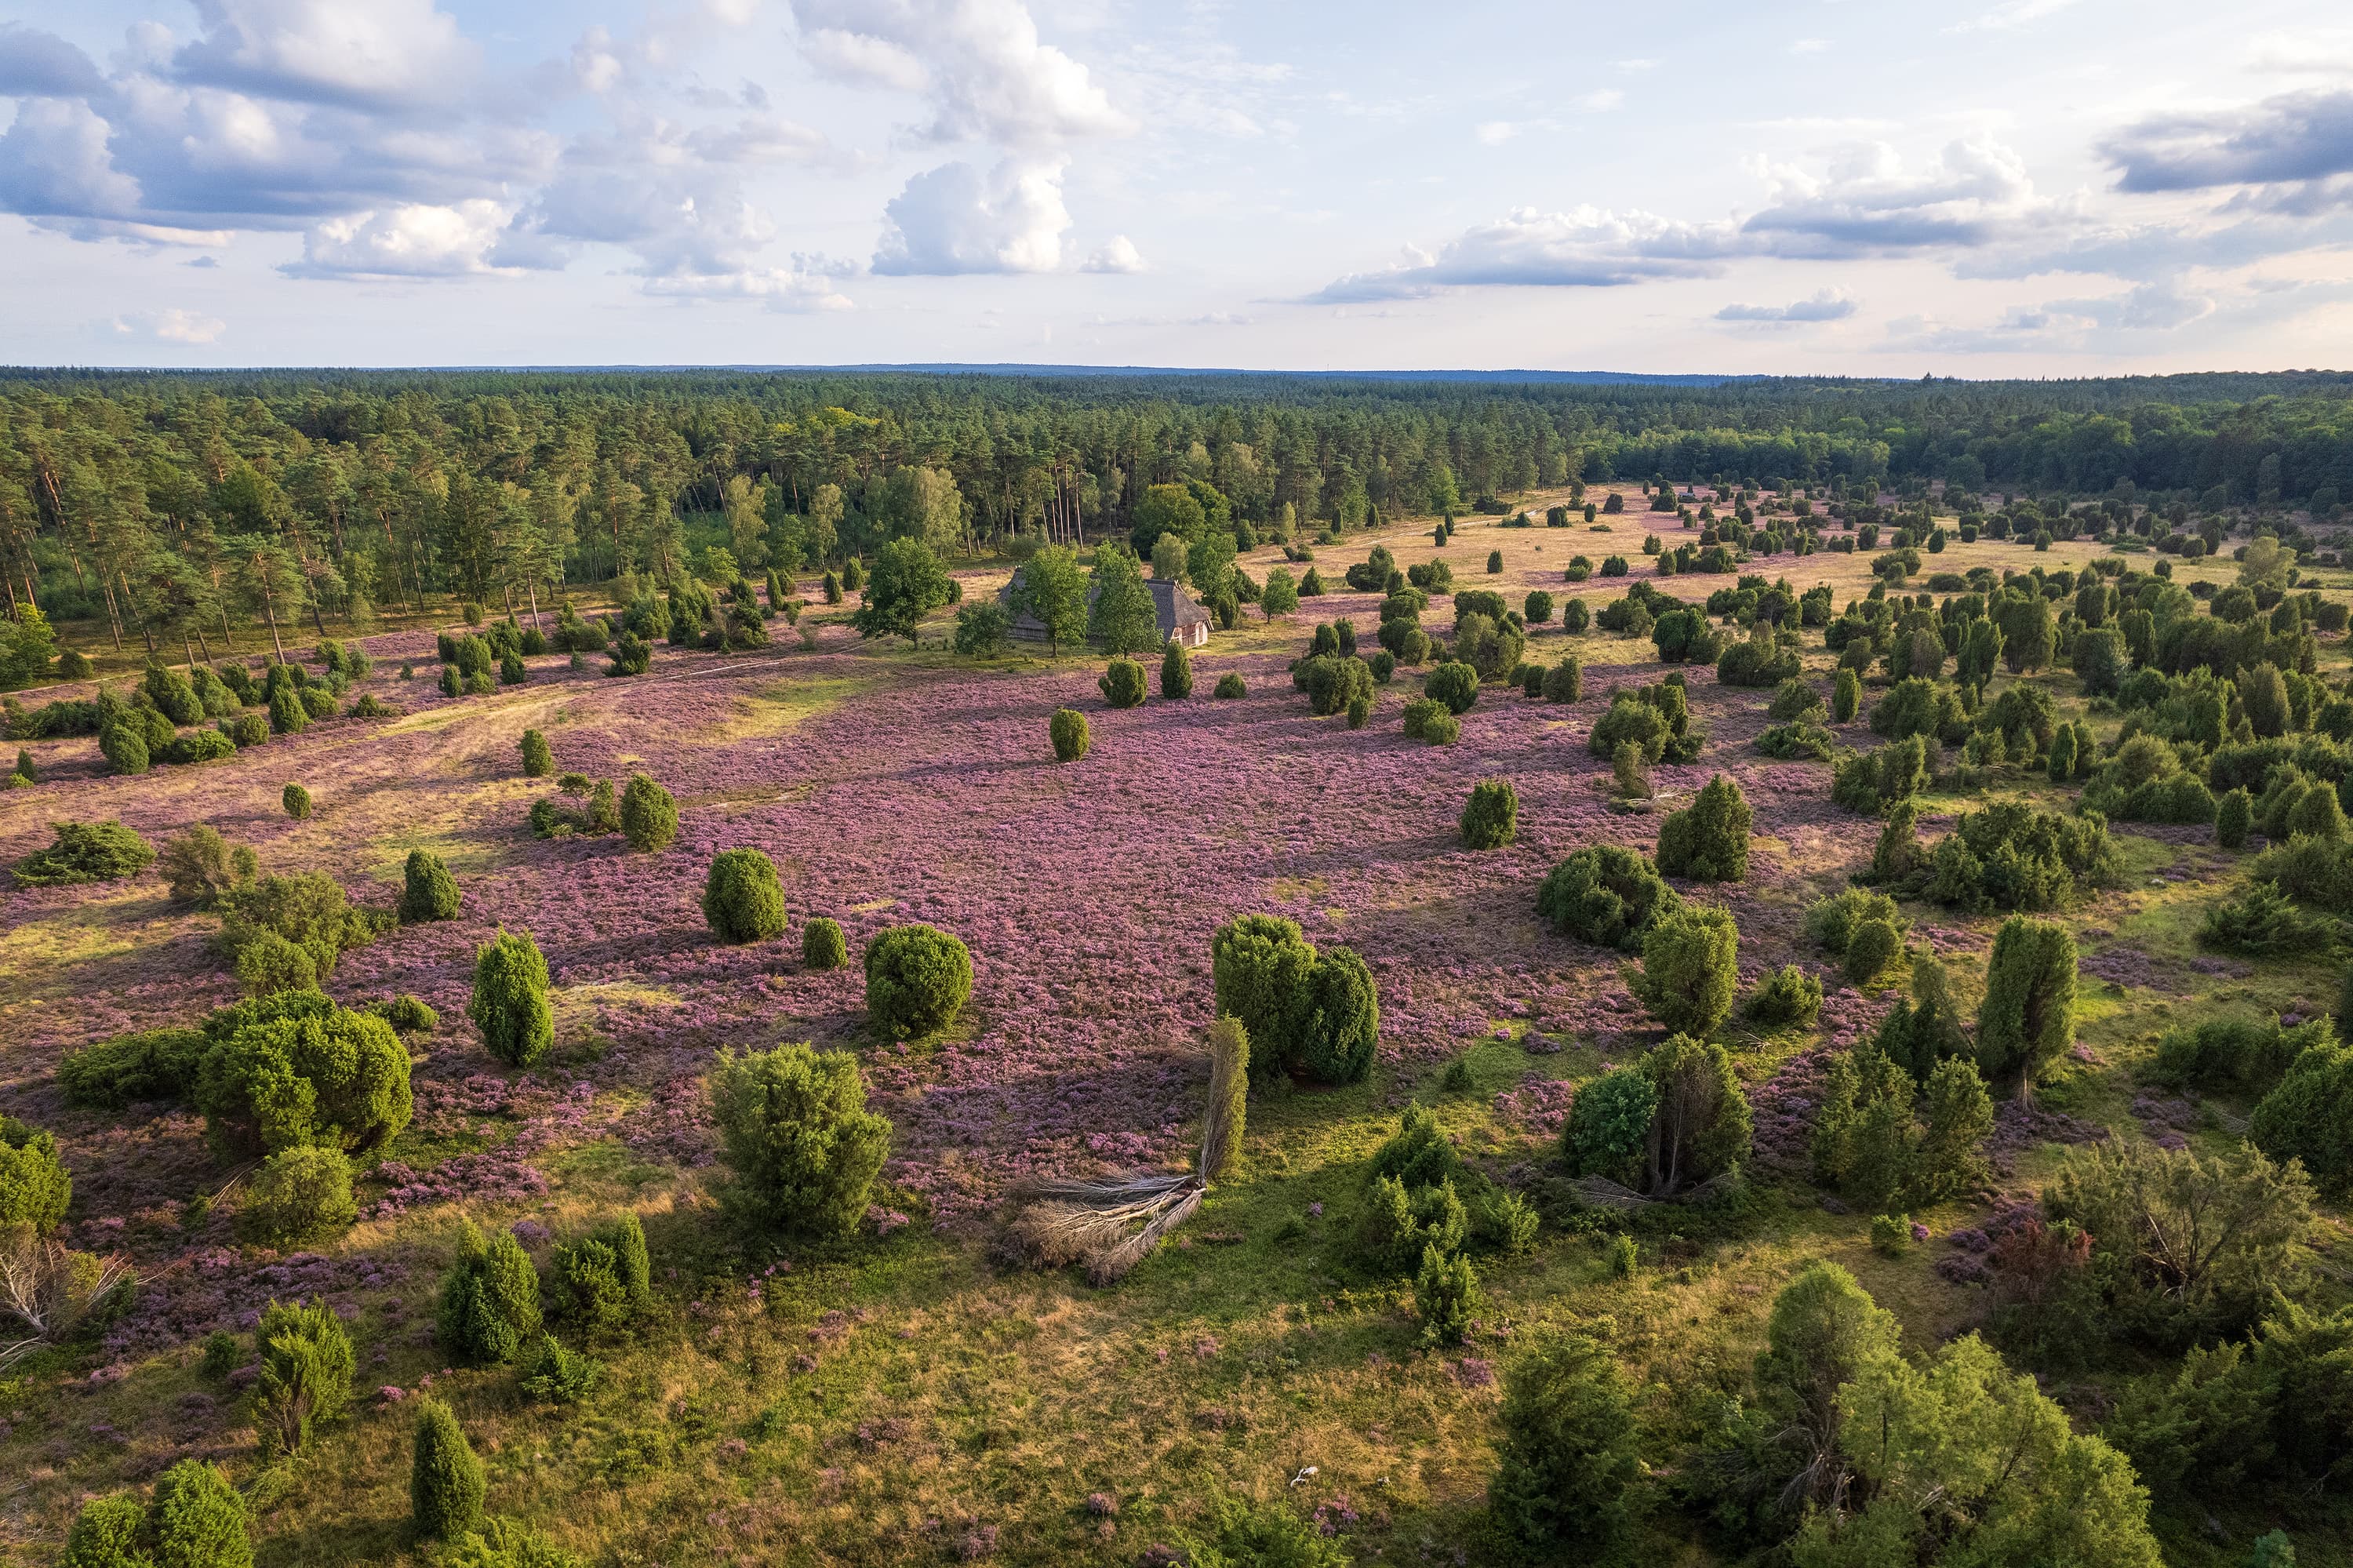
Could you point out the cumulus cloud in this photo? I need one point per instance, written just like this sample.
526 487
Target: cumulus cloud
35 64
1868 202
2060 323
1829 305
415 240
811 283
171 326
386 52
2294 139
952 220
1118 255
978 63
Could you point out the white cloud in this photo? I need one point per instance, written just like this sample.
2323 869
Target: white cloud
808 284
1118 255
1829 305
1868 202
950 220
596 66
978 63
2317 51
1494 133
1584 247
384 52
171 326
54 164
1602 101
411 242
2009 17
1810 46
1636 67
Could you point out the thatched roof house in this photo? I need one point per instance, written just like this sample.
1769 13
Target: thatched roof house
1180 614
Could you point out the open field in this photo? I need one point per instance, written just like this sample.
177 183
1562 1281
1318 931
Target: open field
905 1397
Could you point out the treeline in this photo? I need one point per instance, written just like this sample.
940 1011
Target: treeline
170 509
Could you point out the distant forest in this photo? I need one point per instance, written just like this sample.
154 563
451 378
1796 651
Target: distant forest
153 503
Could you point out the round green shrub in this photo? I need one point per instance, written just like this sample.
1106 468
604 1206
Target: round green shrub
538 757
1870 948
1176 671
1690 970
1122 683
453 684
86 851
1789 995
445 1481
1490 818
1609 1125
795 1127
300 1197
822 944
1454 684
287 714
1230 685
247 730
1068 730
35 1186
106 1534
918 979
1383 665
427 891
1316 1014
1606 894
124 748
297 801
197 1519
489 1309
1565 682
406 1014
293 1070
743 899
649 815
1707 841
510 1000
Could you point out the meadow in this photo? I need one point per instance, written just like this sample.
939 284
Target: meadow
908 1393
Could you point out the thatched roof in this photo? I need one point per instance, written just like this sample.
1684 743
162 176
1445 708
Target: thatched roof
1175 609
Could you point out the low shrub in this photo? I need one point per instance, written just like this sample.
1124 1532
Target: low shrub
1454 684
300 1197
1426 719
202 869
85 851
918 979
1305 1012
538 757
2261 921
1068 731
35 1186
1785 997
427 891
1690 968
1869 783
1606 895
2010 856
1565 682
1803 741
1874 947
1231 685
794 1126
2238 1055
1122 683
601 1282
823 945
743 898
1445 1297
1833 922
649 815
1708 840
294 1070
1490 818
2309 1115
297 801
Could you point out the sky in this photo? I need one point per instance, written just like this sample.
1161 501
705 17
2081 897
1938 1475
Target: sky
1979 188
